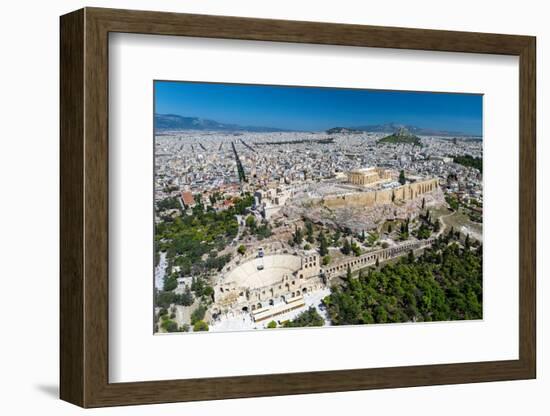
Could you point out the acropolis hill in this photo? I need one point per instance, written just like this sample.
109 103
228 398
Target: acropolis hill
370 198
362 198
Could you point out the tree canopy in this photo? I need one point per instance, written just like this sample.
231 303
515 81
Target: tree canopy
445 283
310 317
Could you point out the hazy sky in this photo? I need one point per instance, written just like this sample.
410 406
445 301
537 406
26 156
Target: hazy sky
306 108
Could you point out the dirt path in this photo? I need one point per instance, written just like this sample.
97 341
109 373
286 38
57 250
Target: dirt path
444 225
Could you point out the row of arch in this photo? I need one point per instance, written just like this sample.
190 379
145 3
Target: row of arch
381 255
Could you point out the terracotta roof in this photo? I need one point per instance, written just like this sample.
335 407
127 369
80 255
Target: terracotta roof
187 198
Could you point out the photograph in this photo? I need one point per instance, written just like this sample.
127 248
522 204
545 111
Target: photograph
297 206
263 207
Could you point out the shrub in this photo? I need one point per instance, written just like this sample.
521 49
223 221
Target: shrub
170 283
198 314
200 326
169 326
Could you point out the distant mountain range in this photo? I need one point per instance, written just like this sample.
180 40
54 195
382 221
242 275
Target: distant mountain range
173 122
394 127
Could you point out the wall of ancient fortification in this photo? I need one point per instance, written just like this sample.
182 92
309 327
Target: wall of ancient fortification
371 198
340 268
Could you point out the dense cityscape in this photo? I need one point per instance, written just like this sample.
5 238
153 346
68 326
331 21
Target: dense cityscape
282 229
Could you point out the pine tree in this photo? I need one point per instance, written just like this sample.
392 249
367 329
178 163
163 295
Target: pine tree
309 231
323 246
402 179
298 236
346 248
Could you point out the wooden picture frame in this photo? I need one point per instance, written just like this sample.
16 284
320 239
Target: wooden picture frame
84 207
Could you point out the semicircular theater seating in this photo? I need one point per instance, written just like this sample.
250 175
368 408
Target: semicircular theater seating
264 271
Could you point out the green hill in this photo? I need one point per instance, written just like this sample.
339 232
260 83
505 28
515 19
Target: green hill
343 130
403 136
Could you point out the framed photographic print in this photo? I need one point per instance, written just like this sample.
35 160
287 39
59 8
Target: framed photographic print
260 207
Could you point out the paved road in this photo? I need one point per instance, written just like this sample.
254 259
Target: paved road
160 271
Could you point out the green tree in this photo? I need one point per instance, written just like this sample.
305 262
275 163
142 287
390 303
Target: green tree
323 244
346 247
198 285
208 291
241 250
309 231
310 317
251 222
336 238
186 298
402 179
198 314
169 326
423 232
326 260
200 326
453 202
373 238
445 283
355 248
298 237
168 203
470 161
272 325
404 234
170 283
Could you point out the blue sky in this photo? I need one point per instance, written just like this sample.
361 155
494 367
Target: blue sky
306 108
